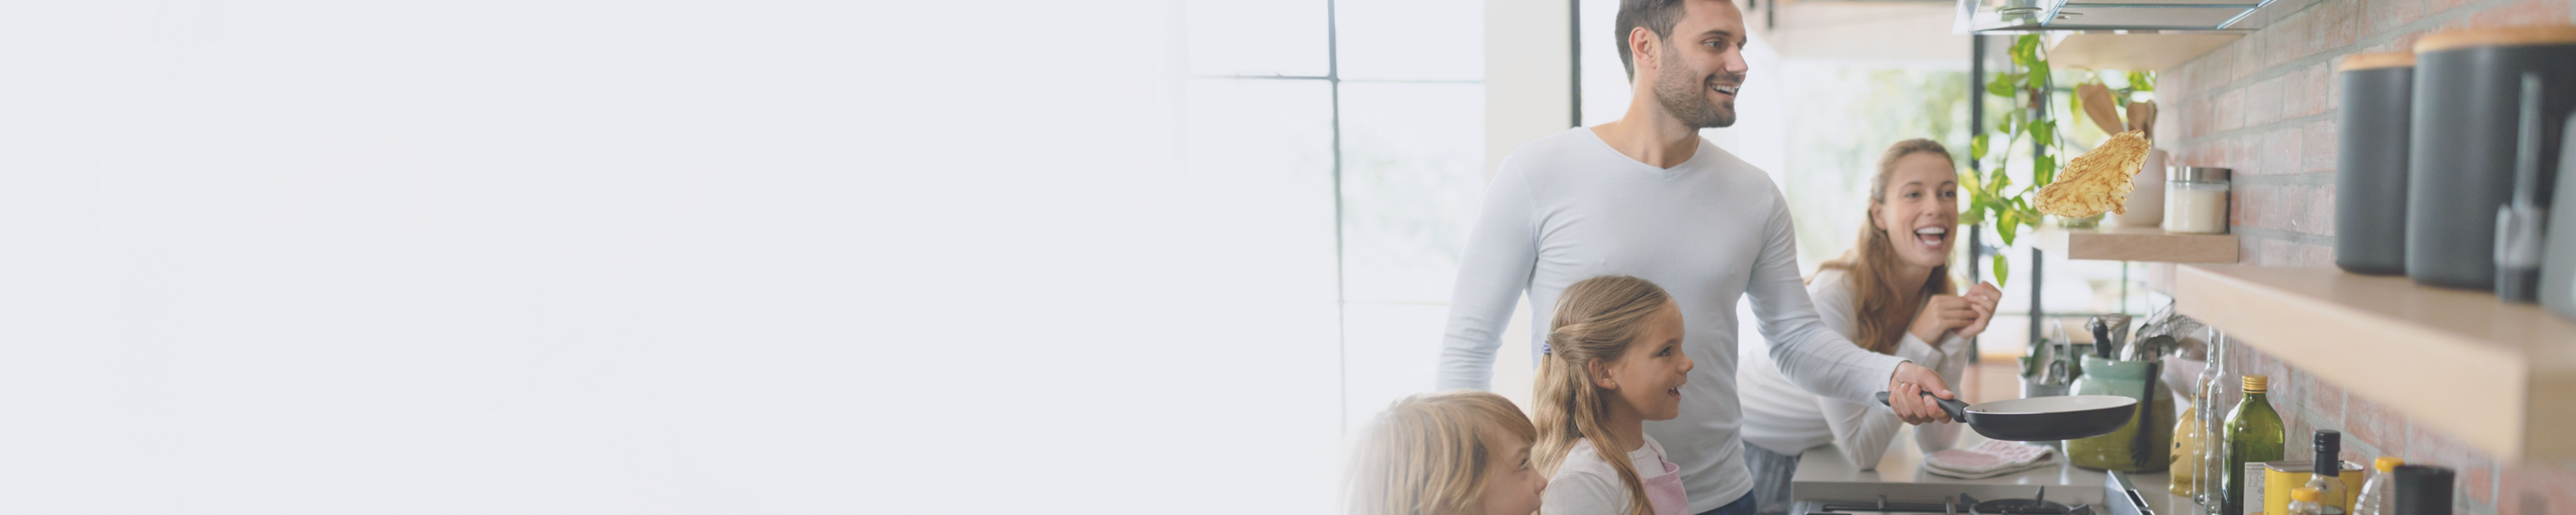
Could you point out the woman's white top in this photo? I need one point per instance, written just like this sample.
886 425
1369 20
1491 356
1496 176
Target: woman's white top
1783 418
1585 484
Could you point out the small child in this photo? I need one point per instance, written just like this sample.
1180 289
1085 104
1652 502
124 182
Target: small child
1460 452
1613 360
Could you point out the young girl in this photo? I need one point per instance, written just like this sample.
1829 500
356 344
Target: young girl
1460 452
1613 360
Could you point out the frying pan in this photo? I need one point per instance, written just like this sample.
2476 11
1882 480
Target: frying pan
2064 417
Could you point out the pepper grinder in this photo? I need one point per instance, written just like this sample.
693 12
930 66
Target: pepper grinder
2520 224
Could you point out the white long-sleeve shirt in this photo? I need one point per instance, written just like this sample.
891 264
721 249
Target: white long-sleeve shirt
1709 231
1786 419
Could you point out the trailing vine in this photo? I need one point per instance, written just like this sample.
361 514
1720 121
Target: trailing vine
2026 86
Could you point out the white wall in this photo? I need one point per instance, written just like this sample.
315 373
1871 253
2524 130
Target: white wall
1868 31
1528 94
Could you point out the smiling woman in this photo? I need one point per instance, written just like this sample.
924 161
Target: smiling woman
1890 294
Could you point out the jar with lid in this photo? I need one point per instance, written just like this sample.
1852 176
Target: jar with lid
2196 199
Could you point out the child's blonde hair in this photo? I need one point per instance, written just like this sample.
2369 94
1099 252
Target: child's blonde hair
1595 322
1428 453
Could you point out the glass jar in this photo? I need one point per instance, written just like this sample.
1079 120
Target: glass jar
2196 199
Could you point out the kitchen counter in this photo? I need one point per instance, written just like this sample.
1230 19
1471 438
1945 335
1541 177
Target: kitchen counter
1824 474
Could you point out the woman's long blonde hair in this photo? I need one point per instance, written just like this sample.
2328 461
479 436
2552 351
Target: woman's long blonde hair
1595 322
1428 453
1885 309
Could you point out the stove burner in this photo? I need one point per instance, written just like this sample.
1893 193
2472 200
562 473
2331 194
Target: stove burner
2020 507
1962 504
2037 504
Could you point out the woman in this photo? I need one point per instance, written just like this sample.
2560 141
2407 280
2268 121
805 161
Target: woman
1890 294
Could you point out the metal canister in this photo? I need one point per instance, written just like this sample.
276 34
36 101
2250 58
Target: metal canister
2464 127
2279 477
2370 162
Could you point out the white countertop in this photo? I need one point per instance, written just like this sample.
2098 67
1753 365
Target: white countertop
1823 473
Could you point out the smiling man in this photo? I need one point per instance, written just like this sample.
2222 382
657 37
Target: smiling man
1645 196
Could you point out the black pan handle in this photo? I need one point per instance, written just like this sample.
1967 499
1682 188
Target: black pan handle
1957 409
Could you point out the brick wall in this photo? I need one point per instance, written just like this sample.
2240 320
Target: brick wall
2265 107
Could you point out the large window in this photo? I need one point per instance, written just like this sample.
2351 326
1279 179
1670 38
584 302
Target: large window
1335 164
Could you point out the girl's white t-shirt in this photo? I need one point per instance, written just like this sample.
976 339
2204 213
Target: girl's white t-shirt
1586 485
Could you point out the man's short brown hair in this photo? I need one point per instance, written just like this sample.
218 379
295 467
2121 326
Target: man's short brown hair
1655 15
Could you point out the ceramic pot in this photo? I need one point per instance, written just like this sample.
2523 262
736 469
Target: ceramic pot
2370 162
2146 203
2119 450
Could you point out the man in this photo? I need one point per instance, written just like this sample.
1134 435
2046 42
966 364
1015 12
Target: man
1645 196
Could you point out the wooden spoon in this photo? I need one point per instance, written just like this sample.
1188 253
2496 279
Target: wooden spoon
2142 117
2099 105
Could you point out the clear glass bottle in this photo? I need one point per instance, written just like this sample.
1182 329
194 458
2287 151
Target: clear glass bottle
2303 501
2379 494
2253 436
2330 488
2211 403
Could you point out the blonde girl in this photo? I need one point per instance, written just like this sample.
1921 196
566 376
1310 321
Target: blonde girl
1613 360
1461 452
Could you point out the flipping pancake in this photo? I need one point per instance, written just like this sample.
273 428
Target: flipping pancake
2097 181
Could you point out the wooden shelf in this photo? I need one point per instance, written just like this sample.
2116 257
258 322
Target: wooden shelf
2497 375
2136 244
2141 52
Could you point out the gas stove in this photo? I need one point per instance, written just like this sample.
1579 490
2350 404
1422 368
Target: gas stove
2115 497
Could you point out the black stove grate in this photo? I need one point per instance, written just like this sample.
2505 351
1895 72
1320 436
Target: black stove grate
1960 504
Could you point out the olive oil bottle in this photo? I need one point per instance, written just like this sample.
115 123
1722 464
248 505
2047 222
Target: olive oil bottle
2253 436
2184 480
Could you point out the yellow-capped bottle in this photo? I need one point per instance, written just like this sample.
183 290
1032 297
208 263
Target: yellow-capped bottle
2379 494
2303 501
2253 436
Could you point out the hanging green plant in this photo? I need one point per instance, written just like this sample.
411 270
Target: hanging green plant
1992 196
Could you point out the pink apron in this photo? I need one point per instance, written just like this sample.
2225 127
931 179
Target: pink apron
1664 493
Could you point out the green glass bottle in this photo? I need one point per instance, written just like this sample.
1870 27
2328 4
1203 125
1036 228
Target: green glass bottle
2253 436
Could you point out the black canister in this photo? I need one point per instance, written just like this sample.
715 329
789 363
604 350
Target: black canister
2370 162
2460 162
2423 490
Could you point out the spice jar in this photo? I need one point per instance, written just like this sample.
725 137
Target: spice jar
2196 199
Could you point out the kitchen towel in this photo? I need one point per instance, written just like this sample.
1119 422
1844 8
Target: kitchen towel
1990 459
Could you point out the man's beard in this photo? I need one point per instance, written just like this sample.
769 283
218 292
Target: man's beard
1686 99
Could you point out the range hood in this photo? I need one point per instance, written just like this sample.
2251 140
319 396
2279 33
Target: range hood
2014 16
